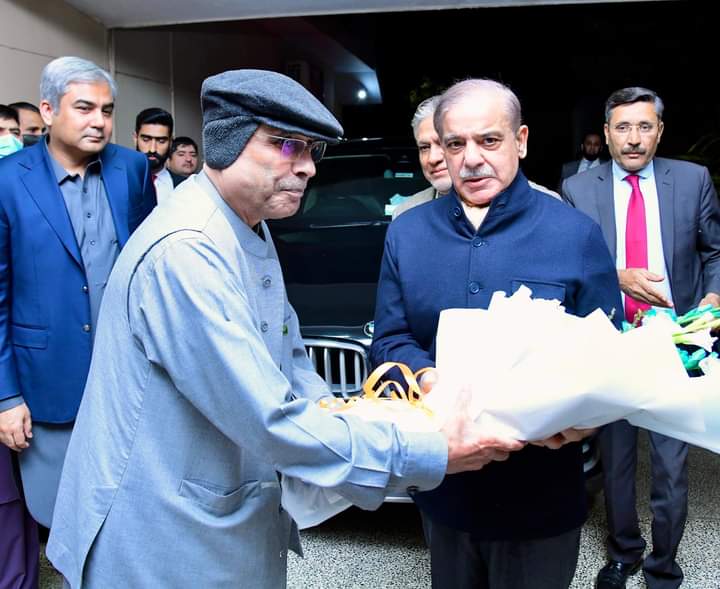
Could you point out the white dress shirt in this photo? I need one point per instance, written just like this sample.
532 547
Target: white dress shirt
587 164
163 185
621 192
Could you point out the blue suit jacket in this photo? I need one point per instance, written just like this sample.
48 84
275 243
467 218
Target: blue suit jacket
44 351
435 260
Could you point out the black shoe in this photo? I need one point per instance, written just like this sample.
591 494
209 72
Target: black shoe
615 574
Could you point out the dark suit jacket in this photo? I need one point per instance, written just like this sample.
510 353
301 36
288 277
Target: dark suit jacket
434 260
570 169
689 222
177 178
44 351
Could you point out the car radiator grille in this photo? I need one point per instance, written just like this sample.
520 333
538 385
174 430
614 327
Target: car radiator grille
343 365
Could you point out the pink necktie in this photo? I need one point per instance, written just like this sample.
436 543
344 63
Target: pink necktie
154 178
636 254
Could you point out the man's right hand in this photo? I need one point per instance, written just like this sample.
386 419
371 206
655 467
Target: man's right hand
468 447
638 283
16 427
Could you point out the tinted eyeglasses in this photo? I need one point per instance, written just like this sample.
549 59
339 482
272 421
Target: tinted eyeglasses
293 149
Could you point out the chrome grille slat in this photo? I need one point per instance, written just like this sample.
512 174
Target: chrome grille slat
343 376
311 355
327 365
343 365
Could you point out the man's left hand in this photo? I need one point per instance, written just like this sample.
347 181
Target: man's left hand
564 437
710 298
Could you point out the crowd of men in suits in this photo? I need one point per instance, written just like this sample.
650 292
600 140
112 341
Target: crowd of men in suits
634 232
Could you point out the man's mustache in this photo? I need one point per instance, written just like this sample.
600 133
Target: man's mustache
637 150
292 186
484 171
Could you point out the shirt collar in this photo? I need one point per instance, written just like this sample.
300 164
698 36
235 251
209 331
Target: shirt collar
61 174
239 227
504 207
644 173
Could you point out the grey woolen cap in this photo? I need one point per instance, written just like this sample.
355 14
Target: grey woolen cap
236 102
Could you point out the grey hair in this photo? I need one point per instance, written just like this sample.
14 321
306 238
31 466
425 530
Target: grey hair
632 95
461 90
424 110
63 71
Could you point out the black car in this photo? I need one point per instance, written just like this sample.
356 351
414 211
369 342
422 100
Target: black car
331 250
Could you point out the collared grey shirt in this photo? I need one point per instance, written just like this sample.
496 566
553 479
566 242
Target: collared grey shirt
91 218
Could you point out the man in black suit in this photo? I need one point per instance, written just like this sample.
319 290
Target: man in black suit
661 221
590 150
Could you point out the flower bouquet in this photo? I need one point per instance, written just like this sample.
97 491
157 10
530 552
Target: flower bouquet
538 370
535 370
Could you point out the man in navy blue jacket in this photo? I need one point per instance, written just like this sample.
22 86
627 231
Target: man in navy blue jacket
513 524
67 206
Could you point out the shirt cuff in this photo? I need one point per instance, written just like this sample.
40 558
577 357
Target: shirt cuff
10 403
425 462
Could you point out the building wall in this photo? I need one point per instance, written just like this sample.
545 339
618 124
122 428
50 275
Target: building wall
33 33
142 70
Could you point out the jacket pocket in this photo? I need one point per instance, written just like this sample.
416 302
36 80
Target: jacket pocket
541 290
216 499
29 337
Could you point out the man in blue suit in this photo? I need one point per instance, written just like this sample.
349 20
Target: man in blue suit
515 524
67 206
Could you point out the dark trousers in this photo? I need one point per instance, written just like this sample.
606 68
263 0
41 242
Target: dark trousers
19 546
668 501
462 562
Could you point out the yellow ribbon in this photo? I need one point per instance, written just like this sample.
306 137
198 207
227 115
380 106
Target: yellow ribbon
373 389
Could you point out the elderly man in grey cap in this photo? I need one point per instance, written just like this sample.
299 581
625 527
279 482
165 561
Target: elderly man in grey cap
200 393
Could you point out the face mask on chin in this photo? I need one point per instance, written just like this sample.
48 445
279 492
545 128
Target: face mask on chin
9 144
29 140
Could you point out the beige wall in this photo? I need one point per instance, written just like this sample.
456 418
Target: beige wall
165 69
143 76
34 32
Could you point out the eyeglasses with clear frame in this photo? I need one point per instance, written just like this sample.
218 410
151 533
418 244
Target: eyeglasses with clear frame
293 149
643 128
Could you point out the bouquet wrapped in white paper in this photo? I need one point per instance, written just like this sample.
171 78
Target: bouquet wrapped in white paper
534 371
537 370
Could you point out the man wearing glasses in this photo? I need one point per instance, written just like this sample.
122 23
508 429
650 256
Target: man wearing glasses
661 221
201 394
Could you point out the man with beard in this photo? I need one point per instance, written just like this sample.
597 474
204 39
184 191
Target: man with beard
590 150
515 524
661 221
152 136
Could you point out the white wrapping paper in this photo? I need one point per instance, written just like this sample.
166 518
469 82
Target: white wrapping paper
534 371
